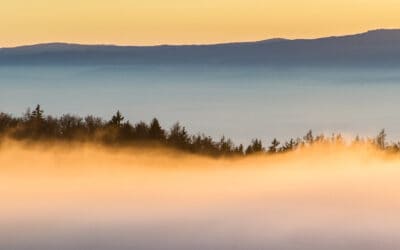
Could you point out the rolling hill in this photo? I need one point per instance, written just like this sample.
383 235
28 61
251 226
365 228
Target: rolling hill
373 48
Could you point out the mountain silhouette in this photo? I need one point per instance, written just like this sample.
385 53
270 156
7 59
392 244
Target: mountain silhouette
373 48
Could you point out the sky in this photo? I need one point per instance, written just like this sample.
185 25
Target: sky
150 22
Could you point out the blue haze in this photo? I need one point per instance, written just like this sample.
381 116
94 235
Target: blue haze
236 101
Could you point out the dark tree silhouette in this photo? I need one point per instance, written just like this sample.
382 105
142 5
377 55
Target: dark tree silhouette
6 122
155 131
117 119
141 131
309 138
37 114
239 150
34 125
255 147
178 136
226 146
92 124
380 139
274 147
70 126
289 146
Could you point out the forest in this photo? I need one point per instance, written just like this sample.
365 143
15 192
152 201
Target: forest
34 125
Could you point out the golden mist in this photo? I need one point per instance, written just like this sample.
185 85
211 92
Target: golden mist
84 191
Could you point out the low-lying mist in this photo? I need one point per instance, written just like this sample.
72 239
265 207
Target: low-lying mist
83 196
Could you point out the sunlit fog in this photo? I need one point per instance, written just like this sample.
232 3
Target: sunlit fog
83 196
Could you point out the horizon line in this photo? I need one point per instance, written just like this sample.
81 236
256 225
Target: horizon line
197 44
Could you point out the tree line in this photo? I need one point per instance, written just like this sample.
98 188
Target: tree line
35 125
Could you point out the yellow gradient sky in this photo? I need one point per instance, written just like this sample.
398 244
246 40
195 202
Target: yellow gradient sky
145 22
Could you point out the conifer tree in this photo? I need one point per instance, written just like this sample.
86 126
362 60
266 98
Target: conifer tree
117 119
273 148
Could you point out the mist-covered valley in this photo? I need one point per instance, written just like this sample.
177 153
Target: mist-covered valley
112 182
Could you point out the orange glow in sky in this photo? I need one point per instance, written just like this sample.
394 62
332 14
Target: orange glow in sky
148 22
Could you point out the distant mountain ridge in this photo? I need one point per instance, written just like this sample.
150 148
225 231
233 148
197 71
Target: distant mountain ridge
375 48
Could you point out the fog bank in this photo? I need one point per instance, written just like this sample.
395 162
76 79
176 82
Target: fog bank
71 197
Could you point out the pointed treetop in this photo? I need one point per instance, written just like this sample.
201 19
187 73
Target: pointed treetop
117 119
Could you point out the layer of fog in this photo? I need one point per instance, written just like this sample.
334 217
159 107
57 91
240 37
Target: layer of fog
71 197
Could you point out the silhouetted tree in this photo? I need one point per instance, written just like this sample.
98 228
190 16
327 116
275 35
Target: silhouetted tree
239 150
204 145
273 148
37 114
289 146
309 138
226 146
141 131
6 122
117 119
380 139
155 131
254 147
178 136
93 124
34 125
51 128
126 133
71 126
